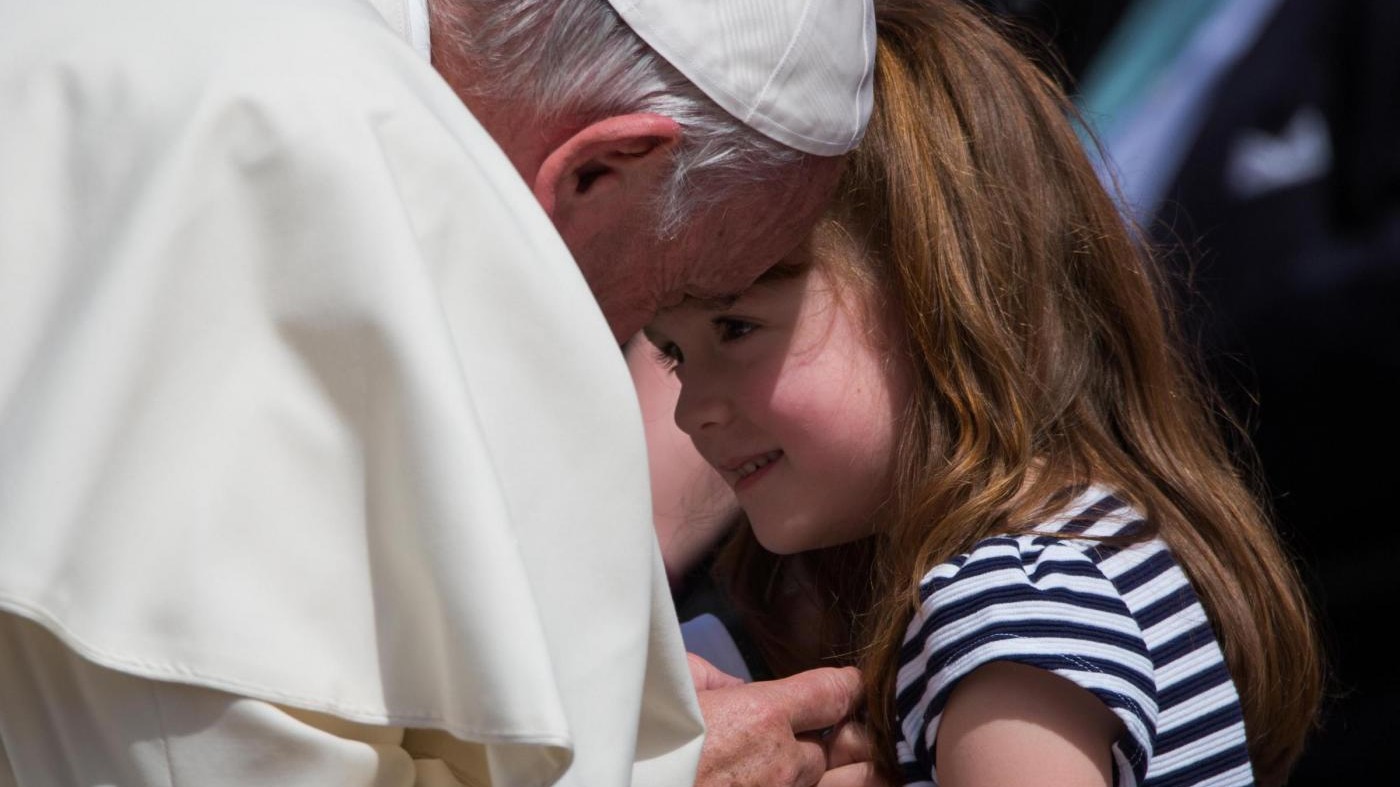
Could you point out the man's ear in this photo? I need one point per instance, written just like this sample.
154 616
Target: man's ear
596 179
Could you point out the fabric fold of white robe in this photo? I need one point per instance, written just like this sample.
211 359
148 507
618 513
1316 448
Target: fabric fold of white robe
302 397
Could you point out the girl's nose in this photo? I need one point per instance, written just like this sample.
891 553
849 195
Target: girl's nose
701 405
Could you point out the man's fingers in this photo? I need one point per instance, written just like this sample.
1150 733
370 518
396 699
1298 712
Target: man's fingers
847 744
819 698
811 761
770 733
861 774
707 676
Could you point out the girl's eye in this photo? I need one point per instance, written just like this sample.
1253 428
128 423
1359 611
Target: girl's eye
669 356
733 328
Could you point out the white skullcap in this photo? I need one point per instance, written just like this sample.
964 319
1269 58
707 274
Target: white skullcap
798 71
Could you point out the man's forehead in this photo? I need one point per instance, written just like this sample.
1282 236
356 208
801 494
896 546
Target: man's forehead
740 247
710 281
710 303
690 302
783 271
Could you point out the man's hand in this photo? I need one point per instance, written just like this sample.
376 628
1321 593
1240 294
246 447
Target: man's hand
792 732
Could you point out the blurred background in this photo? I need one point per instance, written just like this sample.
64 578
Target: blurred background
1258 144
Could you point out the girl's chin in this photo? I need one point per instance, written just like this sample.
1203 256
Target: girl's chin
791 539
780 543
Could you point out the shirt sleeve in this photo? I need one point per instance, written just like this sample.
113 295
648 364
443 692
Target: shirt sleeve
1038 601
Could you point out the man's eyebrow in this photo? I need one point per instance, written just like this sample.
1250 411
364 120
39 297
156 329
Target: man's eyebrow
723 302
705 303
711 303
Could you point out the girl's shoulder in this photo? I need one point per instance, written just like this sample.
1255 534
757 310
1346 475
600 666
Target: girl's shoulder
1088 594
1096 537
1081 575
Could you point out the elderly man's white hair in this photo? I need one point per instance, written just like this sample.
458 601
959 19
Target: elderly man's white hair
577 60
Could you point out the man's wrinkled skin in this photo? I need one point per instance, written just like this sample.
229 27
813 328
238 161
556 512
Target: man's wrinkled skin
795 730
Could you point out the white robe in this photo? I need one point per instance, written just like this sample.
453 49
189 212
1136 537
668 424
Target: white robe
302 397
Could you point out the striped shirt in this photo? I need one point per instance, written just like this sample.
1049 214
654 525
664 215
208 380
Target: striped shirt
1119 621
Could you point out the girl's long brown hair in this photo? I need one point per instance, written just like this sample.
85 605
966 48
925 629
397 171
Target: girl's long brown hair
1045 358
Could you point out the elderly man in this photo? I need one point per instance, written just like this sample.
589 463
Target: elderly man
318 463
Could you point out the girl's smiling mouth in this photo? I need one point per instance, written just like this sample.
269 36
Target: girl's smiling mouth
747 471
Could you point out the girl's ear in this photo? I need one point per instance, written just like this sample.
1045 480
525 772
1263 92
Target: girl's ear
596 179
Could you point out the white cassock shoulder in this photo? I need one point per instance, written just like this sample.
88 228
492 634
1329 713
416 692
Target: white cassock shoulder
302 398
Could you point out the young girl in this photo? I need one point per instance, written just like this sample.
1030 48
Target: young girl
977 466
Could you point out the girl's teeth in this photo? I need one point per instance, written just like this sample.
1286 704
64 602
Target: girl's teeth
750 467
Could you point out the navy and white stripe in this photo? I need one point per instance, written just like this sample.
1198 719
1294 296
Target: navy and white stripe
1120 621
